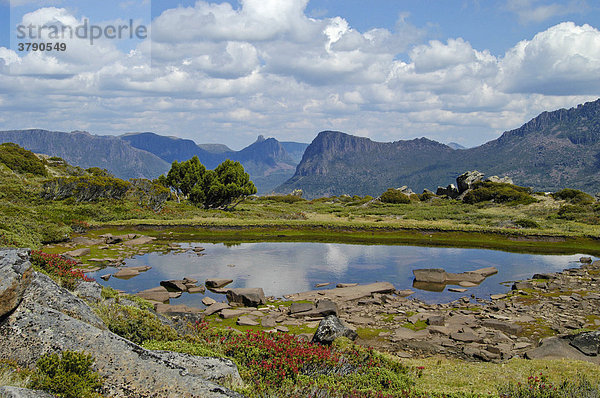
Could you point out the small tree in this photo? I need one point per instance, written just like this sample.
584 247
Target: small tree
224 187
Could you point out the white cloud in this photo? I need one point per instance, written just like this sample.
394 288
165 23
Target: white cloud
221 74
563 60
535 11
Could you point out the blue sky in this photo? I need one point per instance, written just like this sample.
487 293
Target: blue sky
450 70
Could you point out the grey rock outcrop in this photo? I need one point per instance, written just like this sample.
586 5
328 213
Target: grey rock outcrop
330 328
16 392
466 180
587 343
503 180
49 319
451 191
15 275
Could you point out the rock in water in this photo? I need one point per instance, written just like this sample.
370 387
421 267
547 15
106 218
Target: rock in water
15 275
215 283
330 329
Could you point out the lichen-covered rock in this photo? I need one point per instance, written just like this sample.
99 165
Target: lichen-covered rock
46 292
89 291
217 370
588 343
16 392
466 180
128 370
330 328
451 191
15 276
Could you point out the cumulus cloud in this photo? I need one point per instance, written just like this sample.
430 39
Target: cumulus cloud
562 60
227 74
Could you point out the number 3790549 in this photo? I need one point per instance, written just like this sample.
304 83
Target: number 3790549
42 46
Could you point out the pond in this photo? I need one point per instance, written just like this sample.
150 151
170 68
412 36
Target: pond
289 267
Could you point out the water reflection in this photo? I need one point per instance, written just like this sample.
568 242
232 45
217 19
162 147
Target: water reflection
288 267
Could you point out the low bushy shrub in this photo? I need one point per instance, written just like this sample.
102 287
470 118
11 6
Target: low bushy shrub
149 194
58 268
573 196
394 196
85 188
284 198
21 160
526 223
67 375
497 192
135 324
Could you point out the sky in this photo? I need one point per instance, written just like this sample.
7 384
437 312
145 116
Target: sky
225 72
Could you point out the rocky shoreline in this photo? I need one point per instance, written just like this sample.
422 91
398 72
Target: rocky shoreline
547 308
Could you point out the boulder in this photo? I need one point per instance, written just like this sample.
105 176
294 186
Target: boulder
502 180
208 301
326 307
16 392
196 289
128 370
15 276
430 275
174 285
179 309
214 283
249 297
330 328
110 239
451 191
588 343
78 253
585 260
405 190
556 347
231 313
466 180
160 294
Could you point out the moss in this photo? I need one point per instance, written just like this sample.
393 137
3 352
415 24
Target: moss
419 325
369 333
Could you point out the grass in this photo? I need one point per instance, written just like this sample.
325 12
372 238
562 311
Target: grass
442 375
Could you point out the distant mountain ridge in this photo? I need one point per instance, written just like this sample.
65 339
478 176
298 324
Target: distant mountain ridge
552 151
266 160
86 150
149 155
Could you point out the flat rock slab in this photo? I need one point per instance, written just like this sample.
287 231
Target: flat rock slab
346 293
232 313
15 276
142 240
215 283
296 308
78 253
207 301
246 321
504 326
159 293
126 273
343 285
216 307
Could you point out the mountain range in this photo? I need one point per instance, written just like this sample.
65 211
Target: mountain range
552 151
134 155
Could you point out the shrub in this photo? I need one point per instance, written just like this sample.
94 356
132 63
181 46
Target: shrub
149 194
85 188
58 268
499 193
285 198
21 160
5 241
69 375
426 195
573 196
98 172
394 196
135 324
526 223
